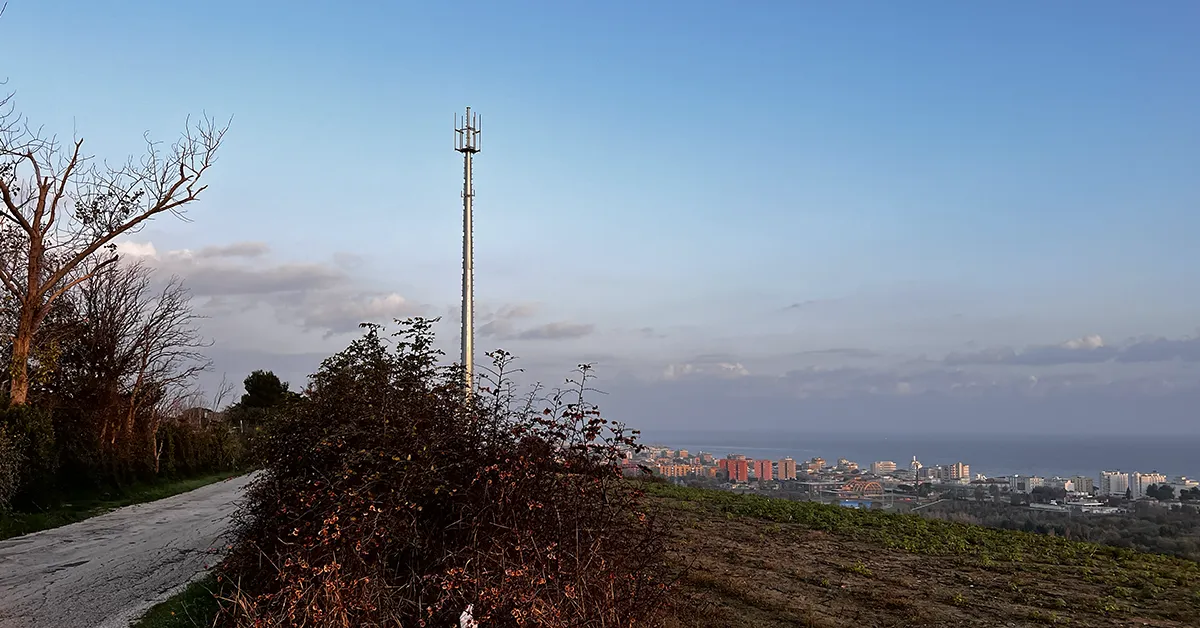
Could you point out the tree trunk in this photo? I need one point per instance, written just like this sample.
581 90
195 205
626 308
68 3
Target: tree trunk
157 446
22 345
27 323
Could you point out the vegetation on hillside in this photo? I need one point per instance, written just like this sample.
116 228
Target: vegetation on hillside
1148 528
112 403
99 356
390 498
746 560
752 560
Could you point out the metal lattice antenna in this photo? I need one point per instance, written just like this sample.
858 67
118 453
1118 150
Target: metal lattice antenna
466 141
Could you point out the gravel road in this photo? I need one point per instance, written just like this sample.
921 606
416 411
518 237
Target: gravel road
106 571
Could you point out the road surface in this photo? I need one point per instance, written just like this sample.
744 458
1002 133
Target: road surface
106 571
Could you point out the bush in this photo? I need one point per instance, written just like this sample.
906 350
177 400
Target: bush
10 469
31 433
390 499
189 450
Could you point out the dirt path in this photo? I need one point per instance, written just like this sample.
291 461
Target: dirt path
105 571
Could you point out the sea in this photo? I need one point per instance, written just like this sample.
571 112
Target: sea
990 455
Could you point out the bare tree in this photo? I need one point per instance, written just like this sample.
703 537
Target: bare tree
139 344
61 212
224 389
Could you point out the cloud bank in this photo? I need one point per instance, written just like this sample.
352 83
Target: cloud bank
287 316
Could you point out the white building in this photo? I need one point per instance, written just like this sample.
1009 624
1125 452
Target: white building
1066 484
1114 483
1083 484
960 472
883 467
1184 483
1139 482
1025 483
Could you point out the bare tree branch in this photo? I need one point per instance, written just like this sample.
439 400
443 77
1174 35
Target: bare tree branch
68 208
108 262
224 389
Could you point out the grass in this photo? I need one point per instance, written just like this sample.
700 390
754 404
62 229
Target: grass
195 606
861 567
18 523
915 534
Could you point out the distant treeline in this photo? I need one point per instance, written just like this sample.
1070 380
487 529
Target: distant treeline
1149 528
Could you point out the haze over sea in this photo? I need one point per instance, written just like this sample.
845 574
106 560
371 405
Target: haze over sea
991 455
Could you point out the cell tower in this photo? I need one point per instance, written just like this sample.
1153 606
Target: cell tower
466 141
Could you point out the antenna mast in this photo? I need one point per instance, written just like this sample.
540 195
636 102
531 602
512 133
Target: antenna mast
466 141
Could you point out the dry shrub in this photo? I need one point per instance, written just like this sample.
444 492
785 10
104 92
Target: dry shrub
389 499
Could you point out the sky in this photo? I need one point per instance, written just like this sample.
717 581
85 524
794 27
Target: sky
799 216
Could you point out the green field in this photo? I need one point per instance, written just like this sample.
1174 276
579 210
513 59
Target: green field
912 533
835 566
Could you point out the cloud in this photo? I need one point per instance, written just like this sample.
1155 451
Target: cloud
1161 350
843 352
837 382
211 273
750 403
1085 343
519 310
136 250
556 331
808 304
498 322
1085 350
205 279
716 365
312 296
345 315
933 381
495 329
237 249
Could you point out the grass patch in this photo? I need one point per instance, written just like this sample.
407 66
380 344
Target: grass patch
860 569
195 606
86 507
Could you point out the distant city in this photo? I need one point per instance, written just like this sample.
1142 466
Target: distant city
884 483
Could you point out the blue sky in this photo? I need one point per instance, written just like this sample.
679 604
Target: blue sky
722 192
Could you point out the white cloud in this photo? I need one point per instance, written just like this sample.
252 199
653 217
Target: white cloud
309 296
344 314
722 370
1087 342
137 250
